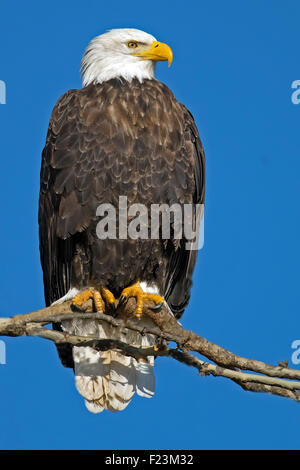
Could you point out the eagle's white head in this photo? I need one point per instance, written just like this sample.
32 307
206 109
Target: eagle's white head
123 53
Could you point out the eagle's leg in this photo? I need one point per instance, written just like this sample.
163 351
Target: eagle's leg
141 297
99 297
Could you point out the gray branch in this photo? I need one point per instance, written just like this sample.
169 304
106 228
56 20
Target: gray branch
261 377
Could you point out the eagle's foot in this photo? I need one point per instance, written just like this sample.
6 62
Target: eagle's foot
141 297
100 298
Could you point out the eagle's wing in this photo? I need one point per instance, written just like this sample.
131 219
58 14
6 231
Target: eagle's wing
58 171
62 218
182 261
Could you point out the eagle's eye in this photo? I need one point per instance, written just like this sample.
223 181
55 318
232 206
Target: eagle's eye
132 44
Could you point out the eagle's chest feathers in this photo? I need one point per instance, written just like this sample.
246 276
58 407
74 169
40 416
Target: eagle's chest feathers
136 136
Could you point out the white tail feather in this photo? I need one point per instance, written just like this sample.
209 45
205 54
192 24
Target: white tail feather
93 407
145 384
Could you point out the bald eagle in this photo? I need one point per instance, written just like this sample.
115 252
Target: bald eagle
123 134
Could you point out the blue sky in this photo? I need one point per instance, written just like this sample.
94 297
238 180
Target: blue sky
234 63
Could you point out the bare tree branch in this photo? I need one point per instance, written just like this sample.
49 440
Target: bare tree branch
277 380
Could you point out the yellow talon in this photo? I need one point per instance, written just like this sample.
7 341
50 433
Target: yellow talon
141 297
83 297
98 297
98 301
109 298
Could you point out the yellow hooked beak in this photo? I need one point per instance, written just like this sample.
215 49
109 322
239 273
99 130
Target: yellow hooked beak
158 51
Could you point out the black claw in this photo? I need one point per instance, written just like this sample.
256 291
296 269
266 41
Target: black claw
77 308
113 308
157 308
122 300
